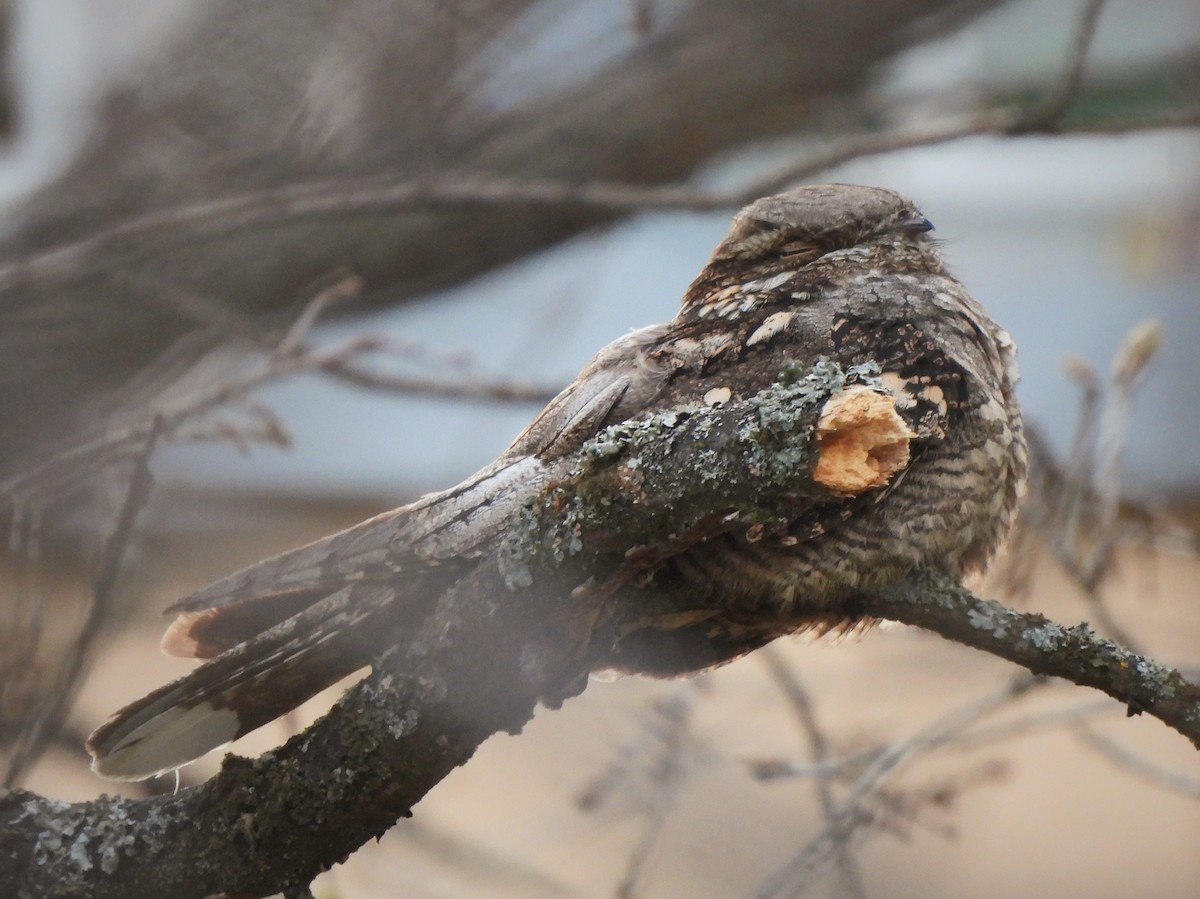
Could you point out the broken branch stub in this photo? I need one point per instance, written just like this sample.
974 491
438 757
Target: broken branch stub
687 472
861 441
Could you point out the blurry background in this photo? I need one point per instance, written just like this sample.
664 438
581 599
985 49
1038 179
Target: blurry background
502 188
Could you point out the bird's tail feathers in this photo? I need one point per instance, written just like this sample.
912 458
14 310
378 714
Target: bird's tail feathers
241 689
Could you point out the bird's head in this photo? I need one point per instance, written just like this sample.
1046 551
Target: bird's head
811 232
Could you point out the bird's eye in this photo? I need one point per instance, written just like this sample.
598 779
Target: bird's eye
749 234
801 251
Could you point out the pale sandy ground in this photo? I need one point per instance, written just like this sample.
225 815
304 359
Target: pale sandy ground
1055 819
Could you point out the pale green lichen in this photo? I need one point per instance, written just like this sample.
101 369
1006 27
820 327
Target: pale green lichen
405 725
535 533
520 546
766 440
72 841
991 619
1048 637
780 409
618 439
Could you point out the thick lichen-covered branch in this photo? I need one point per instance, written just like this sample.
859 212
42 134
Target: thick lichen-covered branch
813 435
476 666
510 628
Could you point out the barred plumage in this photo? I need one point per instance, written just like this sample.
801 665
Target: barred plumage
837 271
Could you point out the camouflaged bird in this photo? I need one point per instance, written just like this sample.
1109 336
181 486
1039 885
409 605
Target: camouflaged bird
841 272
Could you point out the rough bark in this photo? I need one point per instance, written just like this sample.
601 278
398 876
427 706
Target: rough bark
514 633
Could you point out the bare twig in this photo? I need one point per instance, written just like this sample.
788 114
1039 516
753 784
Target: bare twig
344 289
1045 647
1077 506
910 806
34 737
851 880
463 388
659 749
1138 766
851 814
1034 724
1063 90
837 767
1137 349
675 712
241 212
1072 502
65 471
22 628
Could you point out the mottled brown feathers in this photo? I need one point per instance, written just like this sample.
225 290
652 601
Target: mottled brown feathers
840 272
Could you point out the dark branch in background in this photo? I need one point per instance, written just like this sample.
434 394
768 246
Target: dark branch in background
390 193
467 187
368 98
1058 97
48 716
72 468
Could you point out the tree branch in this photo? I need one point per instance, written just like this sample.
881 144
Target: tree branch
521 626
388 193
1042 646
49 714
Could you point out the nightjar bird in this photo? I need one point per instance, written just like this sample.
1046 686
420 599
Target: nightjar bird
839 272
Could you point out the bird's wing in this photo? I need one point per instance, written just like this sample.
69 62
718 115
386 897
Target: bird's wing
438 529
280 631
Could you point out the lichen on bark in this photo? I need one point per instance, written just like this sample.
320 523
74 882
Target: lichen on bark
662 475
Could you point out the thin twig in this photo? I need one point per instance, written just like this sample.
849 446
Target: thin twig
659 748
837 767
483 390
672 721
23 627
1077 506
35 737
63 472
1034 724
1139 767
229 215
801 704
1073 498
343 290
850 814
1043 647
1138 348
1064 88
66 470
